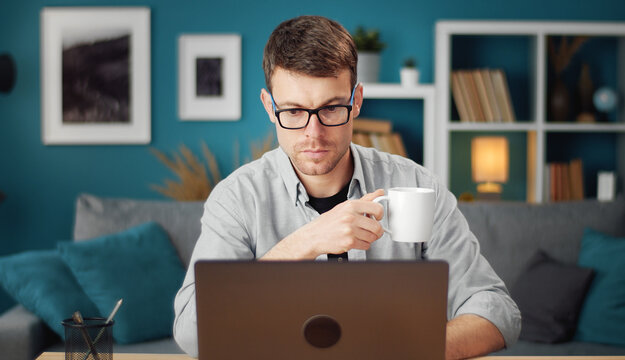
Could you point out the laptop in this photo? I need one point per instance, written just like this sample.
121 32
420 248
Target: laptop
321 310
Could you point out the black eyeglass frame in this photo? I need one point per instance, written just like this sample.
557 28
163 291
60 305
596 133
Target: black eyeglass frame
314 111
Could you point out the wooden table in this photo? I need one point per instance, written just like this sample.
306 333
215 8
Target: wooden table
118 356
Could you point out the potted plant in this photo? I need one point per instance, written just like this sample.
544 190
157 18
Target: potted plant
409 73
369 46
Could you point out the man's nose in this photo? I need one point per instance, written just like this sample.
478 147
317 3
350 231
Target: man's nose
314 126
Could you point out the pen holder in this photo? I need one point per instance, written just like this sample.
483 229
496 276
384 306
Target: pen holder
92 340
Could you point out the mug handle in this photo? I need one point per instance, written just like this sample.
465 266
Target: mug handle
377 200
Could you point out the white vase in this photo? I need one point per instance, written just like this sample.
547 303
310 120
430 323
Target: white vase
368 67
409 77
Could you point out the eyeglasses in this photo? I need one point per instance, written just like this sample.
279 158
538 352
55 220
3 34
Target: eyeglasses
329 115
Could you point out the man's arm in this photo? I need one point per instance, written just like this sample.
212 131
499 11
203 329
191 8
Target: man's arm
336 231
471 335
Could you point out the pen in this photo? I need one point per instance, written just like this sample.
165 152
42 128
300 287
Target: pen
108 321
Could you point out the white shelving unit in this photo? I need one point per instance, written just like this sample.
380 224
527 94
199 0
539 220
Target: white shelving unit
538 33
424 92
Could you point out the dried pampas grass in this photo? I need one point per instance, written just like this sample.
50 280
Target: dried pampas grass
195 182
197 179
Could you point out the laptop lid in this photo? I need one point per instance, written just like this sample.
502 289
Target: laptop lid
321 310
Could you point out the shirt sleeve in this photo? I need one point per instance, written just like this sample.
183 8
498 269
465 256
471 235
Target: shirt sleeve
474 287
223 236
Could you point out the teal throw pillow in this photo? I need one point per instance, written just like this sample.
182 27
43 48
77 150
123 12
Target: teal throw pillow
602 318
139 265
42 283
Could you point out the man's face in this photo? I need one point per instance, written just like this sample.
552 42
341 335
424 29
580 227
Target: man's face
315 149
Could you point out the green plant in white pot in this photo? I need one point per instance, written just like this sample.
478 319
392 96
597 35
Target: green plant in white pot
409 73
369 46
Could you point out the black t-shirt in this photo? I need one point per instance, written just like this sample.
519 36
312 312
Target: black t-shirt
324 204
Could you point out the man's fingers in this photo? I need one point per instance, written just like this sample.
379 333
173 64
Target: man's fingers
373 195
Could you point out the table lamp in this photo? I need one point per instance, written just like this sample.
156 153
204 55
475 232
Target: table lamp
489 165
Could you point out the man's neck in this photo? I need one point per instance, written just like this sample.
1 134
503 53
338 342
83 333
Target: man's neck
326 185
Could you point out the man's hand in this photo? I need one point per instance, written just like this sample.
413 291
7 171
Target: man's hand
345 227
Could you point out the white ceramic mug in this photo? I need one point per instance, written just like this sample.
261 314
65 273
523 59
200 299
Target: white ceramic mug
410 213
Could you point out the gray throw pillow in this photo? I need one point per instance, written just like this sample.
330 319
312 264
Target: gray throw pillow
550 295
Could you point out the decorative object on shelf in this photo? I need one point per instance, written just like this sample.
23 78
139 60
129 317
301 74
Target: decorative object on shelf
2 196
585 90
489 165
369 46
559 98
209 77
95 75
605 99
7 73
409 73
466 197
606 185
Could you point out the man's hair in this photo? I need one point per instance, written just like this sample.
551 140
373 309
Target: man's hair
311 45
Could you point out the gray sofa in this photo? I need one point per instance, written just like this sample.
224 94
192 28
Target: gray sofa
509 234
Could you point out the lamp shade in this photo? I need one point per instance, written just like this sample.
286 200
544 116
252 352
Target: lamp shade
489 159
7 73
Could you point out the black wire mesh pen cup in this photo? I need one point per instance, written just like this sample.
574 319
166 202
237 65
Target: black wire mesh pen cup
92 340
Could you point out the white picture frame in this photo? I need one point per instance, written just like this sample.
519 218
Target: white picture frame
76 109
209 77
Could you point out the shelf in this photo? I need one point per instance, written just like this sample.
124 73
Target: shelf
425 92
396 91
473 126
521 49
573 127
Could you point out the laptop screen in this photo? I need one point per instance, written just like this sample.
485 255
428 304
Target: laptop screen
313 310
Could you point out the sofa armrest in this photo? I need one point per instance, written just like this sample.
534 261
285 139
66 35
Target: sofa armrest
23 335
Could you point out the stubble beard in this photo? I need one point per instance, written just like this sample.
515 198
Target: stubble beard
323 166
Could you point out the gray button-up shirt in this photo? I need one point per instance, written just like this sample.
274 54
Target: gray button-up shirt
262 202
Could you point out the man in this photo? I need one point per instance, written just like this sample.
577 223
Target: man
270 209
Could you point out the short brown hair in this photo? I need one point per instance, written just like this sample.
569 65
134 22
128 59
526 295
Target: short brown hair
312 45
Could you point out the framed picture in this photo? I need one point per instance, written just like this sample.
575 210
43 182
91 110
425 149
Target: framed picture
95 75
209 77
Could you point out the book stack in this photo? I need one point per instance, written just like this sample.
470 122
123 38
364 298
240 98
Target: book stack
564 181
482 95
378 134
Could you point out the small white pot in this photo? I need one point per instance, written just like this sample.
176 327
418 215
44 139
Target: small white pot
368 67
409 77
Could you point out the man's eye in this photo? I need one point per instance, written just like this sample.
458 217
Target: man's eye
294 112
331 108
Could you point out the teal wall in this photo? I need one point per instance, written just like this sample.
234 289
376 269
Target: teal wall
41 182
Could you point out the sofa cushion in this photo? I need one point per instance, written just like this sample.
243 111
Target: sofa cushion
97 216
139 265
41 282
549 295
602 318
509 233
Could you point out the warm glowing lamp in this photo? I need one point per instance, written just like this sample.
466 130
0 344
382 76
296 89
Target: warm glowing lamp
489 164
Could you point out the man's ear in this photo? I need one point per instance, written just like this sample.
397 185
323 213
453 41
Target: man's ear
358 98
265 98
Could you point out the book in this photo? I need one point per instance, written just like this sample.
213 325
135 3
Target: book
474 99
372 125
459 98
482 96
399 145
362 139
472 114
490 93
502 94
576 179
